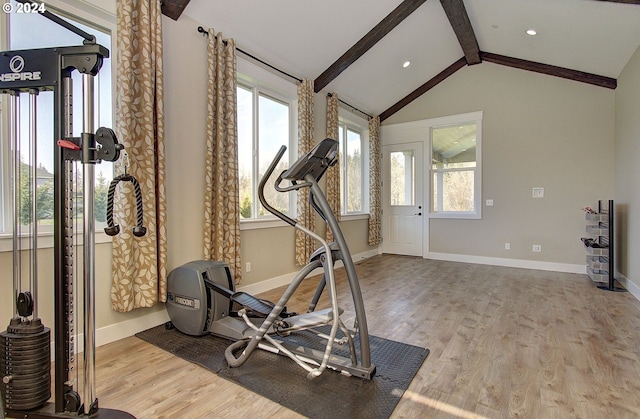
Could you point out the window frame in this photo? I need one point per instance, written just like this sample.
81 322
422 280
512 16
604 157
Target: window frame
101 18
349 121
261 81
462 119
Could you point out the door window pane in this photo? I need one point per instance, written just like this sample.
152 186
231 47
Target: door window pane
402 178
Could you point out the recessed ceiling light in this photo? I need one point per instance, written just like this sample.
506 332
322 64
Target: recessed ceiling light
406 64
532 32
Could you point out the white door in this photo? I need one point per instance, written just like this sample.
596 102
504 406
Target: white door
403 210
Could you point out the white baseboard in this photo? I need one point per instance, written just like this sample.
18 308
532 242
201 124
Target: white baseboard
629 285
128 328
512 263
285 279
119 330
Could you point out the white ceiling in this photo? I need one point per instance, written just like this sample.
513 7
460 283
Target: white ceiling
304 37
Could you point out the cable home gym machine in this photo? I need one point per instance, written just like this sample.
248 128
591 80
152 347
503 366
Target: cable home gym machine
201 294
25 367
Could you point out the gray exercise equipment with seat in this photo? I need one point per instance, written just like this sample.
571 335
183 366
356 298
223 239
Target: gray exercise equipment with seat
201 294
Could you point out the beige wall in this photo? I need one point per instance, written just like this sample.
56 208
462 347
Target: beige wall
105 316
538 131
270 251
627 171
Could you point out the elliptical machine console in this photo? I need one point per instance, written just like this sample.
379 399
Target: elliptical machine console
201 294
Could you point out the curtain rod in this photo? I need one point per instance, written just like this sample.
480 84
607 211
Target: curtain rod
205 32
352 107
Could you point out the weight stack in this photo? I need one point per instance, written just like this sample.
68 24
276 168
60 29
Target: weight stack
25 367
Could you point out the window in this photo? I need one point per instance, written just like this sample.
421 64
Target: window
354 163
455 169
402 178
265 123
21 35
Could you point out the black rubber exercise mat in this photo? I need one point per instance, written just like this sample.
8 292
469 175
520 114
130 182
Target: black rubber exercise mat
276 377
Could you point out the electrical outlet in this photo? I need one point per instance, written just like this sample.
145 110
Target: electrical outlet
507 246
248 267
537 248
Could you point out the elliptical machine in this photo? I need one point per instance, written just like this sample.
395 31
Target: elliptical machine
201 294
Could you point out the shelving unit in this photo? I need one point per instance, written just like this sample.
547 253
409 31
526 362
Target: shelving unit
600 249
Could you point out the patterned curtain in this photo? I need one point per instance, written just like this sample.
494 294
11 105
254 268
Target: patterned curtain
333 174
222 196
375 183
304 244
139 264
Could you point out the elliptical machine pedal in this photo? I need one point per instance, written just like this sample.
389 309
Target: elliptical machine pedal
262 308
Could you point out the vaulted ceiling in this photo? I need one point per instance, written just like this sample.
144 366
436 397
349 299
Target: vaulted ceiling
357 48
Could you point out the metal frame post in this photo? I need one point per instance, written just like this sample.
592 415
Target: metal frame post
51 69
89 246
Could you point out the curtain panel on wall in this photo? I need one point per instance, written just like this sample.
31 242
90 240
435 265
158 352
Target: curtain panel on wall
333 174
222 196
304 244
139 264
375 183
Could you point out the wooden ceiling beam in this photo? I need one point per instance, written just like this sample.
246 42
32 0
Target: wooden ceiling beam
623 1
551 70
392 20
457 15
173 8
424 88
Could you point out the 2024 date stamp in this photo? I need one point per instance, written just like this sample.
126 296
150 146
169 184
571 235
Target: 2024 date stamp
28 7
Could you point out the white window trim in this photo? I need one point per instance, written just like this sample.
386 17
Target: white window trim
475 117
100 14
259 223
354 216
251 75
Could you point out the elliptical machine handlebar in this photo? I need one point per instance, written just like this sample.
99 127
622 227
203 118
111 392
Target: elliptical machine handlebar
263 182
314 163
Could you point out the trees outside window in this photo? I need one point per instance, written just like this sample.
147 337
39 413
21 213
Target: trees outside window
454 169
264 125
352 168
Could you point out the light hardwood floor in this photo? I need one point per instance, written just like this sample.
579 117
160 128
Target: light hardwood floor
505 343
